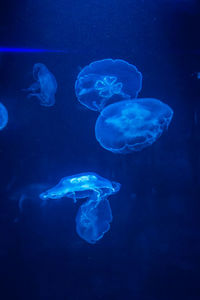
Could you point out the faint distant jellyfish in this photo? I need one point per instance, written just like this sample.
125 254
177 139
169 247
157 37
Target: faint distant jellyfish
106 81
29 193
94 216
45 86
3 116
128 126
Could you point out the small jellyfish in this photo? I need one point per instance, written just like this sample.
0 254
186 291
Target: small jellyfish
128 126
45 86
106 81
94 215
3 116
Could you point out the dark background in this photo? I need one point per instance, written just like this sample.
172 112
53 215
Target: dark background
152 250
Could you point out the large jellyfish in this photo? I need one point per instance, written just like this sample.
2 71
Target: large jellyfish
106 81
128 126
45 86
94 216
3 116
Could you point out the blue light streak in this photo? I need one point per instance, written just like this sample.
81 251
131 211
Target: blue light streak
29 50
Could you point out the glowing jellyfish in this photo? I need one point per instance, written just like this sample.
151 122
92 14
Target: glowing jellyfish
3 116
45 86
106 81
128 126
94 216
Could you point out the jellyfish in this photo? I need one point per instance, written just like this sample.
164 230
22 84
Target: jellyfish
3 116
45 86
94 215
128 126
106 81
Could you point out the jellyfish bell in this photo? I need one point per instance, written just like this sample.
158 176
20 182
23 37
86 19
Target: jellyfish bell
128 126
81 186
106 81
3 116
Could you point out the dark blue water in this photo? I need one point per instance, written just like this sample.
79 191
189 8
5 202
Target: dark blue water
152 249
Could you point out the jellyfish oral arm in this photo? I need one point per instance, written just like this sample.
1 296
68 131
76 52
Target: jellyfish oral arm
93 220
84 91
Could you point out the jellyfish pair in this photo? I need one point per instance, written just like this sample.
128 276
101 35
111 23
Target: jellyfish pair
3 116
125 124
45 86
94 215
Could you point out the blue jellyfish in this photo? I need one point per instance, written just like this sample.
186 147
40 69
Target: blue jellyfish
128 126
3 116
94 216
106 81
45 86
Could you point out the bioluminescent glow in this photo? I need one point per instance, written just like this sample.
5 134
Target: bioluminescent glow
45 86
107 80
3 116
94 216
29 50
128 126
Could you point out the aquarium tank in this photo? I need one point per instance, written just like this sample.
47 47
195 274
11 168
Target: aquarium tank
99 150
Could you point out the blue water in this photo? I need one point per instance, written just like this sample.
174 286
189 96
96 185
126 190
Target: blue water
144 243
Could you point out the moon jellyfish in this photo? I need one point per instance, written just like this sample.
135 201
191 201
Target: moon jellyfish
3 116
94 215
45 86
128 126
106 81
